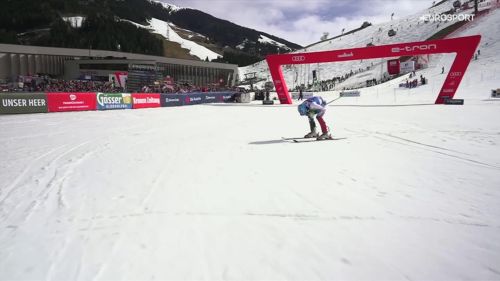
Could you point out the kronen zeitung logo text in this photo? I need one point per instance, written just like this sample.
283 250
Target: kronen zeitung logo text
146 100
446 17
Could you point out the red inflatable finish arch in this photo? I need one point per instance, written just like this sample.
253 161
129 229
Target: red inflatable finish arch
464 47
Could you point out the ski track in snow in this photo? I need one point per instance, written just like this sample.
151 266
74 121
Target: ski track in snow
427 147
197 194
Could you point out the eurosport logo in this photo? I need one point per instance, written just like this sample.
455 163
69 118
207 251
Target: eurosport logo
298 58
414 48
446 18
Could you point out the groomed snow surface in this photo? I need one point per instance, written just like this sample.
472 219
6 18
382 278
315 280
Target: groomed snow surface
212 192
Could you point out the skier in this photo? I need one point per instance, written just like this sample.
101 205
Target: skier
315 106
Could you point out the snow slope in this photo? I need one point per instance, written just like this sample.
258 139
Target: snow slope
213 192
267 40
188 193
164 29
409 29
482 75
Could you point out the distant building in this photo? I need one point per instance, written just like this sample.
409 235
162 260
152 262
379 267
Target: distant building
16 60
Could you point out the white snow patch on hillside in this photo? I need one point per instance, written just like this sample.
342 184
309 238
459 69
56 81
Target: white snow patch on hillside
169 6
75 22
267 40
163 28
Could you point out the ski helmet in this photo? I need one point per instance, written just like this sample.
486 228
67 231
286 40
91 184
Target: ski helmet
302 109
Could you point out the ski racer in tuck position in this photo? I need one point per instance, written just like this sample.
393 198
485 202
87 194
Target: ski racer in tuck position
315 106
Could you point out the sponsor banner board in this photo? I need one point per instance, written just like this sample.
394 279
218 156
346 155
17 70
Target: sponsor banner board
212 97
11 103
227 97
145 100
350 94
62 102
393 67
194 98
107 101
407 66
171 100
305 95
454 101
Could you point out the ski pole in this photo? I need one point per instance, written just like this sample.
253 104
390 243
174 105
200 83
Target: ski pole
333 100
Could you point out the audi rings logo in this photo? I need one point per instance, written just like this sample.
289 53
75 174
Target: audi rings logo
298 58
455 74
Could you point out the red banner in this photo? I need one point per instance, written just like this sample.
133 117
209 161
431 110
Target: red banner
61 102
145 100
464 47
393 67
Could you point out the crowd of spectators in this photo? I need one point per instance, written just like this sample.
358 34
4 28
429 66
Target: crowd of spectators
42 83
328 85
413 82
182 88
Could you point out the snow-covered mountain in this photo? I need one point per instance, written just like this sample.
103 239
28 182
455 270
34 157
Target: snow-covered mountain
100 24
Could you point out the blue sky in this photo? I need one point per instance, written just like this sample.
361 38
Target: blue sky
304 21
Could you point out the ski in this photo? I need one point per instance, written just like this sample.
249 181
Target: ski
297 138
302 139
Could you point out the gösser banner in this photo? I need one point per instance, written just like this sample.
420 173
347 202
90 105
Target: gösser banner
464 47
145 100
61 102
106 101
23 103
